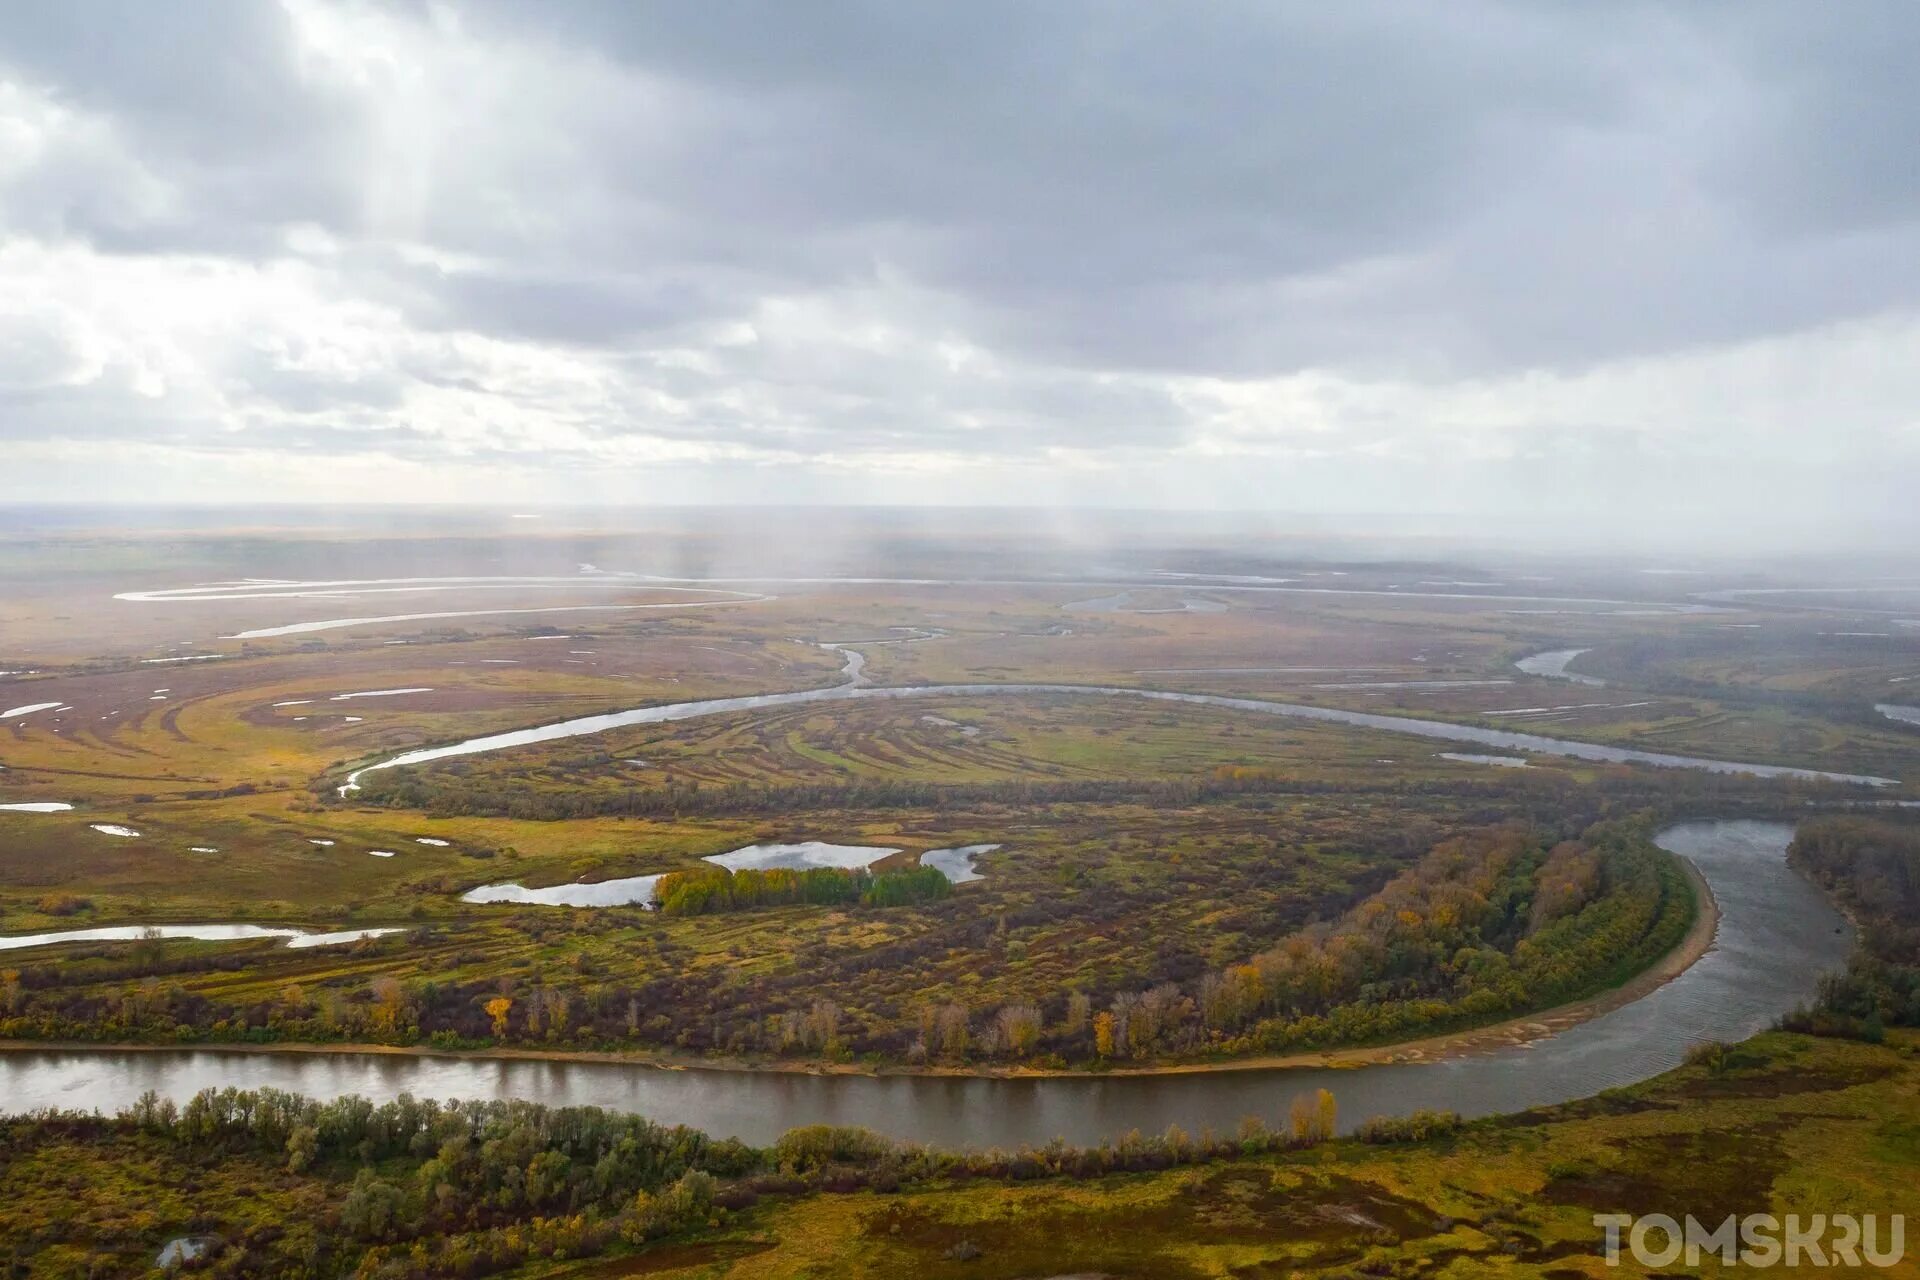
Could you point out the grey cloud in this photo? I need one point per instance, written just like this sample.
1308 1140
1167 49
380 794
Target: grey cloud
1176 188
564 307
257 377
1173 188
981 231
210 97
1835 106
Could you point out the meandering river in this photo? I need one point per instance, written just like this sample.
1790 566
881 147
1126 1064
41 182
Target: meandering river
1777 935
856 689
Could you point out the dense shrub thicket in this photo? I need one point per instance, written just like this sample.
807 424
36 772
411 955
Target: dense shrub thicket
1485 925
416 1188
1491 923
1545 796
708 890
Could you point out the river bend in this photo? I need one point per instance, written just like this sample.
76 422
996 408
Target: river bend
1777 935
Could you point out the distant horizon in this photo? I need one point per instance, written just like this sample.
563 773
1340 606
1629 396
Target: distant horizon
1356 536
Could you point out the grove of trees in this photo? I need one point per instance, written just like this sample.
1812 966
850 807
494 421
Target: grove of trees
1871 865
415 1188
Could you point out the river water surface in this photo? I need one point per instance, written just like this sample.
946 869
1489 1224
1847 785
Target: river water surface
1777 936
1553 665
857 690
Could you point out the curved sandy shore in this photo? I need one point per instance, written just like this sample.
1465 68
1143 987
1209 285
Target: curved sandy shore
1499 1035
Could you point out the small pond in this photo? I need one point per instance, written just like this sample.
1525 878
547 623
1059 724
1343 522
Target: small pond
955 864
296 938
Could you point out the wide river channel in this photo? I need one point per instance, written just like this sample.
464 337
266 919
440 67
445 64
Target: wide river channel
1777 935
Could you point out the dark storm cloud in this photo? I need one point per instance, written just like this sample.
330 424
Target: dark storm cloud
1110 186
1835 103
982 232
1237 188
1250 188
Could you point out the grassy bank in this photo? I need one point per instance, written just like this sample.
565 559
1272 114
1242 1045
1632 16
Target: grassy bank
1783 1123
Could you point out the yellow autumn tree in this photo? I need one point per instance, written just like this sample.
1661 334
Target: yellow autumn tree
1103 1034
1313 1117
1300 1120
1326 1114
497 1010
389 1004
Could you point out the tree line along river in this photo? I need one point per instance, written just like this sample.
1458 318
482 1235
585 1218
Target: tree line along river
1777 935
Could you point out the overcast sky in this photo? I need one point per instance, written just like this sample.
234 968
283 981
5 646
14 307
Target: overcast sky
1469 257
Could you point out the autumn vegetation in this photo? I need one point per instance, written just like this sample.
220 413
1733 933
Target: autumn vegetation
703 892
1495 922
1872 866
415 1188
1174 886
274 1185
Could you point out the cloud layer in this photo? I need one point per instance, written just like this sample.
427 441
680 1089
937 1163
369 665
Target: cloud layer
1459 258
